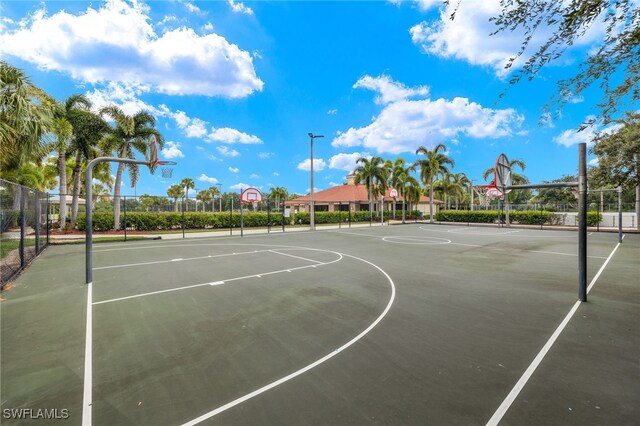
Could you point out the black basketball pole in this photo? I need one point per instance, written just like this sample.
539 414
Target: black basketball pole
582 222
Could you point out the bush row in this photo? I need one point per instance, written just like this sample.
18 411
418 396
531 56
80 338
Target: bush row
143 221
147 221
531 217
359 216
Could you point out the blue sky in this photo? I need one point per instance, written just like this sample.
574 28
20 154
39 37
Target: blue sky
236 87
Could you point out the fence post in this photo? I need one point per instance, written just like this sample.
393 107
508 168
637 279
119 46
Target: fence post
37 220
268 216
349 207
22 224
183 218
48 219
339 214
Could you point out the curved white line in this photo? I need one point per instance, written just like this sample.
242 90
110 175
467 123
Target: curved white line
410 240
313 364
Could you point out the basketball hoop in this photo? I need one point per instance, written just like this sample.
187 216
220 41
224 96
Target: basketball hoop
151 156
486 193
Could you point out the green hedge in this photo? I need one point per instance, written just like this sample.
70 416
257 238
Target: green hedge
531 217
148 221
359 216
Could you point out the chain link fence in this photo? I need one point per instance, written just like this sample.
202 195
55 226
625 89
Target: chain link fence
24 227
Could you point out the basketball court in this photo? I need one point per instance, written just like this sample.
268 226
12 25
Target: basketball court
405 324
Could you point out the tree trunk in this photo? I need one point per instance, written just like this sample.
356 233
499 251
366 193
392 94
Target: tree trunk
175 205
403 208
62 172
77 171
116 197
431 200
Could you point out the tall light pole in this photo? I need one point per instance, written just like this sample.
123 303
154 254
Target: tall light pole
219 185
312 206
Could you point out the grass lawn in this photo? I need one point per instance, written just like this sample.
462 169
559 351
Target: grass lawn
7 246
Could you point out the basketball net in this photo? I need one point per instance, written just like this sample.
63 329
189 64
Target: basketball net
486 193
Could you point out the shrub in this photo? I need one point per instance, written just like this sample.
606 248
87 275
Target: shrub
9 219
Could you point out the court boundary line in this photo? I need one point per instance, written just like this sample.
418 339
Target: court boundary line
466 244
314 364
156 262
219 282
520 384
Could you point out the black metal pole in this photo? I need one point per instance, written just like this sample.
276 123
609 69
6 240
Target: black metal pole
48 221
231 216
268 216
125 217
582 222
37 221
620 214
349 214
340 215
241 221
23 225
184 206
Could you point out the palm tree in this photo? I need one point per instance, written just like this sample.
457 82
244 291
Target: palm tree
204 196
187 184
214 191
25 118
373 173
175 192
278 193
461 184
131 133
413 191
435 163
400 177
63 131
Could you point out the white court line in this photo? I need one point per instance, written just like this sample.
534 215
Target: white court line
155 262
310 366
260 275
297 257
502 409
88 354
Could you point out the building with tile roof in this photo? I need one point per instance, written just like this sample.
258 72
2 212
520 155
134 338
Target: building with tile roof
350 196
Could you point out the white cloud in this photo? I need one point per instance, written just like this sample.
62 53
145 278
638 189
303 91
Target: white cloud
224 150
240 186
593 162
212 157
468 37
346 162
333 111
389 90
572 137
228 135
192 7
234 169
197 128
254 176
318 165
126 96
276 174
265 155
239 7
117 42
171 150
205 178
404 125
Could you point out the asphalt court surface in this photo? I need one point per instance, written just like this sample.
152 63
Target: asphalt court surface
411 324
